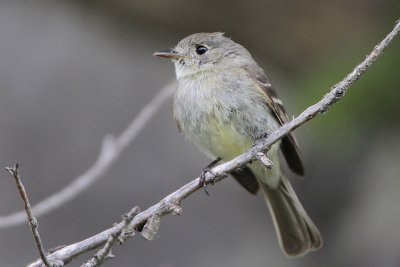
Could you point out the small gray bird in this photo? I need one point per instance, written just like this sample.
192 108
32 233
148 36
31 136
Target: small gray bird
224 102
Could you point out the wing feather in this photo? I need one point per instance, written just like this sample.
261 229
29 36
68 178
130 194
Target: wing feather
289 146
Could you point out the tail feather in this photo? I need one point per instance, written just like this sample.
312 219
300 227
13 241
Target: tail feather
297 234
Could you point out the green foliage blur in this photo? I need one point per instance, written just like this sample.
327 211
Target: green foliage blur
370 108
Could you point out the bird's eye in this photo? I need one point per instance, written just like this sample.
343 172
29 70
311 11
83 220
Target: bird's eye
200 49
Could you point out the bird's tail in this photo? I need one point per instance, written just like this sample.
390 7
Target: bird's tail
297 234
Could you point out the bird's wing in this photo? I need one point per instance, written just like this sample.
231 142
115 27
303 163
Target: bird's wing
289 146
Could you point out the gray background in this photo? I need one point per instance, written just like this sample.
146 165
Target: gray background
74 71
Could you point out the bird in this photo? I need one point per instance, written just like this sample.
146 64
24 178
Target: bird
224 103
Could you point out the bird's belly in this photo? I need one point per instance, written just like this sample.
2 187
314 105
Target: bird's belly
222 139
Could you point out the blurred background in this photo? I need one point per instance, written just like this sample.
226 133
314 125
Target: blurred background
73 71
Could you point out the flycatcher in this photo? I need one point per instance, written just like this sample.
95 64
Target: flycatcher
224 102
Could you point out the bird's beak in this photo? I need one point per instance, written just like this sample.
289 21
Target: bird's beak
170 53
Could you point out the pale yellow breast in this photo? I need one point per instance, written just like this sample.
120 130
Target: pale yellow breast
225 141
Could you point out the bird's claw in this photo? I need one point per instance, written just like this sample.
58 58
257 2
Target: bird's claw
202 181
261 136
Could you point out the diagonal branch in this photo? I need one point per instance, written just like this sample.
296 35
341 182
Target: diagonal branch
111 149
171 203
118 233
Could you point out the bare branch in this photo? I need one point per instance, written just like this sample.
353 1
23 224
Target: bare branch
32 220
111 149
105 252
217 173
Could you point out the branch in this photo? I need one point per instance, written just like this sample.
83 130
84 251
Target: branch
110 152
105 252
31 219
171 203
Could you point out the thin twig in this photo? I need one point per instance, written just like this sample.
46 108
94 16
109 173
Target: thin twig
32 220
110 152
105 252
151 227
262 157
174 199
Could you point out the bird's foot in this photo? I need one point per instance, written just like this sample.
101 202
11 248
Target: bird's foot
207 169
260 137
